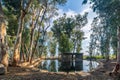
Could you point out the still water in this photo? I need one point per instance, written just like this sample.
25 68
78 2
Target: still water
58 66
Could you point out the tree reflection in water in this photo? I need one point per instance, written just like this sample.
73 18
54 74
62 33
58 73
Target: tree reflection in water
57 66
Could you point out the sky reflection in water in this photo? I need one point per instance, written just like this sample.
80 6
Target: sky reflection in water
57 66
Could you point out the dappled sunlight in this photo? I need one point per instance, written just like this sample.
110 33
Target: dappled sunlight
33 64
30 73
59 39
83 74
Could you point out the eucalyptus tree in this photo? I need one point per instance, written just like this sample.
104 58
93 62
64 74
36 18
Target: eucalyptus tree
23 11
67 31
24 53
52 44
100 38
3 47
94 37
77 38
62 30
36 11
114 40
50 7
50 13
15 10
11 11
80 22
109 11
30 13
2 25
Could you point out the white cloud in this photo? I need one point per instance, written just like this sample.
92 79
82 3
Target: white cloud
68 13
86 9
87 28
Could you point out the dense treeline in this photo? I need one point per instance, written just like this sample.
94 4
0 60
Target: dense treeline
106 29
25 30
22 22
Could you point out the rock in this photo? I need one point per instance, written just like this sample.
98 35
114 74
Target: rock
2 69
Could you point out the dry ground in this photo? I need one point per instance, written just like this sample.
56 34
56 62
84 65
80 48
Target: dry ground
101 73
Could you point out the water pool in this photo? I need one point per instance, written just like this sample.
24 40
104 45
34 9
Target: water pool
58 66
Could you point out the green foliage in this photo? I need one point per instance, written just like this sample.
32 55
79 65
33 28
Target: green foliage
53 47
12 10
65 44
93 57
67 31
63 25
58 2
106 30
11 14
26 36
12 24
44 51
113 56
13 6
77 38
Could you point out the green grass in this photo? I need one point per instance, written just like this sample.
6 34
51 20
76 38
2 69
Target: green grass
98 57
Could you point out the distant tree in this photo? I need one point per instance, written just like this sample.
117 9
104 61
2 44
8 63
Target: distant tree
67 31
80 22
100 39
62 30
44 24
53 46
108 11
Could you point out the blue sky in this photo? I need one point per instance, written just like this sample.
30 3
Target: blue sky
73 7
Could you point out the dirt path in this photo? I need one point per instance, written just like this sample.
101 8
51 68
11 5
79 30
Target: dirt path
18 73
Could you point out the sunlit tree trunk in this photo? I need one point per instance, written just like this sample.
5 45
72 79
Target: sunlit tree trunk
2 25
117 66
4 59
42 13
31 35
3 50
33 27
16 56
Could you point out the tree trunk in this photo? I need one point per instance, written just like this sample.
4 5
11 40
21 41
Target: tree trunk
32 36
4 59
2 25
107 50
117 66
3 50
23 53
16 57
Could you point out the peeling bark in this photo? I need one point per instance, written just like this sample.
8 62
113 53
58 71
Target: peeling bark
3 50
44 12
32 36
16 56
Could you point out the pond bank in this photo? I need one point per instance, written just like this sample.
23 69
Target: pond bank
101 73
